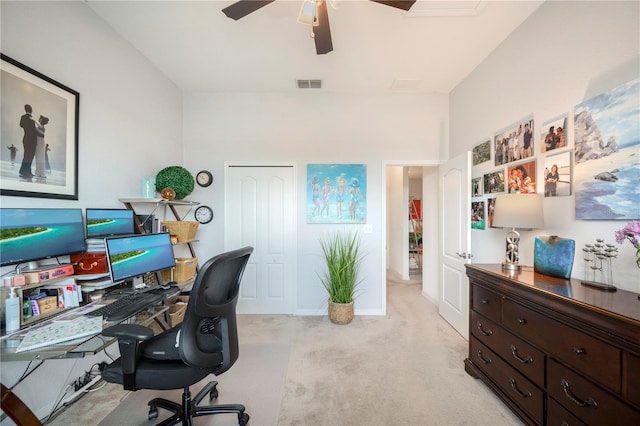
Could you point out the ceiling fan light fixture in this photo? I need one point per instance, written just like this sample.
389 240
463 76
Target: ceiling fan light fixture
309 13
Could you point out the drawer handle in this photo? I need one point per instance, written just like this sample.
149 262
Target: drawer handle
483 359
522 321
526 394
590 402
526 360
486 333
484 301
578 351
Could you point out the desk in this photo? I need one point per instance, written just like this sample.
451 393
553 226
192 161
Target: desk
78 348
82 347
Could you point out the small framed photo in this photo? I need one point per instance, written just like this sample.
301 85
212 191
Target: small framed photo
557 175
494 182
476 187
553 134
482 152
521 178
477 215
491 207
39 117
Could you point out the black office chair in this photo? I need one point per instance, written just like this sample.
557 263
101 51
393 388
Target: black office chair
205 342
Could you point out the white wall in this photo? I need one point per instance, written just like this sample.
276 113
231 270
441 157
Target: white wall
396 218
310 127
565 53
130 126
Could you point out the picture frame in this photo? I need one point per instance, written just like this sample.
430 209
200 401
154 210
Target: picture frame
481 152
39 118
491 207
477 215
558 182
521 178
515 142
494 182
605 160
553 134
336 193
476 187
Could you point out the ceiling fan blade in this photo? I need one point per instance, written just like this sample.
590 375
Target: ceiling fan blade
399 4
242 8
322 33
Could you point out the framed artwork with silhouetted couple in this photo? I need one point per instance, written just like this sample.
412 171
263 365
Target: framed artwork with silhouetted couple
39 154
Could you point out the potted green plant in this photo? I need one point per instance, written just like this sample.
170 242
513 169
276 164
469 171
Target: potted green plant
343 258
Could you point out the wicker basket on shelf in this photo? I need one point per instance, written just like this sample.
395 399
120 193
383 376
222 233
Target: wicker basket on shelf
185 230
185 270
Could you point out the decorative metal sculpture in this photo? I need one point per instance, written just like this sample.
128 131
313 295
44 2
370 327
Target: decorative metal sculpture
597 259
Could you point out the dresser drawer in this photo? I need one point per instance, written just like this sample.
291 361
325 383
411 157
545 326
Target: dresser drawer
631 378
523 392
586 400
486 302
521 355
557 415
587 354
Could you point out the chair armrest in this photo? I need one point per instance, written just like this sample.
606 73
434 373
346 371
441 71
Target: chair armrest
129 331
129 338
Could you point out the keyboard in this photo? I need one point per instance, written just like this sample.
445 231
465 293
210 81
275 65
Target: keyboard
126 306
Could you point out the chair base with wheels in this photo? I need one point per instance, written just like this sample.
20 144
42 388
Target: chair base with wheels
190 408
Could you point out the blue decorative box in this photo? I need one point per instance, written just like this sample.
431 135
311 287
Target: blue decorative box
553 256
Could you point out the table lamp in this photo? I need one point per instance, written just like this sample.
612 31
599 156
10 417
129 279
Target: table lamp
523 211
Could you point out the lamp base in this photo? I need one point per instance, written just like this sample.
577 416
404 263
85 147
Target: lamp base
511 266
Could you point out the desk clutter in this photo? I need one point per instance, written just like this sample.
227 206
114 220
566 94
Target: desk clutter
59 332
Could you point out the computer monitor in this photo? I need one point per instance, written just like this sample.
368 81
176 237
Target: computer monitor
101 223
134 256
32 234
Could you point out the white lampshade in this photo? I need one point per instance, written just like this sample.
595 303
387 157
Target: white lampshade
522 211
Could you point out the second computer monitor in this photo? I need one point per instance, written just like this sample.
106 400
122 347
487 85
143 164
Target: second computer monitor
134 256
102 223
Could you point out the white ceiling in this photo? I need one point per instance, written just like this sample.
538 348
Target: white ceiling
377 49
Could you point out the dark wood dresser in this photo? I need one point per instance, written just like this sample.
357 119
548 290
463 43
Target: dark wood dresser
555 351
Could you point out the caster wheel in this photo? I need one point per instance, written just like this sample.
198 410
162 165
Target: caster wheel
153 413
243 419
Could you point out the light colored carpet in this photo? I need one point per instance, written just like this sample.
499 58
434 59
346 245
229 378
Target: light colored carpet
255 380
403 369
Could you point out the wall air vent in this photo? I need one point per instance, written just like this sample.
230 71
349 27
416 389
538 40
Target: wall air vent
309 84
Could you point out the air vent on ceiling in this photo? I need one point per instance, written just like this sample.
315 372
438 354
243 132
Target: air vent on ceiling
309 84
405 85
447 8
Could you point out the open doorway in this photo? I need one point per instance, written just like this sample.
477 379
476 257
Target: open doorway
411 209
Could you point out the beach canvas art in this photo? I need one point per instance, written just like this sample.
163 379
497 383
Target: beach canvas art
607 155
337 193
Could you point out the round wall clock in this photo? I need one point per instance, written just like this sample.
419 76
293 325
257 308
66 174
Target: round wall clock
203 214
204 178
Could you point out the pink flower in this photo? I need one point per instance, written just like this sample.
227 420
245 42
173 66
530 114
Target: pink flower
630 232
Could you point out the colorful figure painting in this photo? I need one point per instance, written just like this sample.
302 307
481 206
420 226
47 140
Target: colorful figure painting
336 193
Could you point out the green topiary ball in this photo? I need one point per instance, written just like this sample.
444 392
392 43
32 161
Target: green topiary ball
177 178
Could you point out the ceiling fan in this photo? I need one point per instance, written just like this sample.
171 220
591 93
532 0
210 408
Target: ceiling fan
321 30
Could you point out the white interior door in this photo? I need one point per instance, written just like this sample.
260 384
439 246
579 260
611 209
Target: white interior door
455 241
259 212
